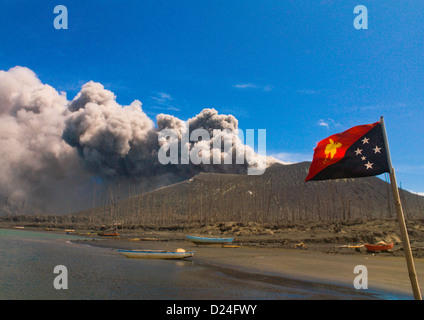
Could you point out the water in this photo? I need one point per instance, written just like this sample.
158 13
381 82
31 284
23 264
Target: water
29 258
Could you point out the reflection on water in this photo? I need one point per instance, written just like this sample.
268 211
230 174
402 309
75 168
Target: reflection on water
28 259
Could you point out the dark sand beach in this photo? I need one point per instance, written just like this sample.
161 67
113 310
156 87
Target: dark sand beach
312 252
387 274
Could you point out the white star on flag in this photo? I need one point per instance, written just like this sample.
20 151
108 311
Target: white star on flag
365 140
369 165
358 151
377 149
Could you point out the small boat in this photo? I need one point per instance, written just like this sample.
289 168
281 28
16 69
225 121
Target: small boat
356 247
359 246
204 240
149 239
157 254
381 246
108 234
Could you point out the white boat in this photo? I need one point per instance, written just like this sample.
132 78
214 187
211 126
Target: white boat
157 254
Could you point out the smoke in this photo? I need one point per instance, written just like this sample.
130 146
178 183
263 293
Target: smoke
55 150
36 166
113 140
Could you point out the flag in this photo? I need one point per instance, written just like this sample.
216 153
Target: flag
357 152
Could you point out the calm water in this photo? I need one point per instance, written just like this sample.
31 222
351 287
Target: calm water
28 260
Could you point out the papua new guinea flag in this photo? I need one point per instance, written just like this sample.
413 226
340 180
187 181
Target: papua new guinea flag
357 152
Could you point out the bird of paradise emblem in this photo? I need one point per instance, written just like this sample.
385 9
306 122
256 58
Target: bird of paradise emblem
331 150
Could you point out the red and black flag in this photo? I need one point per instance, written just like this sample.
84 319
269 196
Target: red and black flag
357 152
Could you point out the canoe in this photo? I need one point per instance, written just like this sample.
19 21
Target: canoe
108 234
378 247
359 246
205 240
156 254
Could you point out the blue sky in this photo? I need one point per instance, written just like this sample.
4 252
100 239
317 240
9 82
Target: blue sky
298 69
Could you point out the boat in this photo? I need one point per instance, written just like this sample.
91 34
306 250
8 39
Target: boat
149 239
157 254
108 234
205 240
359 246
378 247
356 247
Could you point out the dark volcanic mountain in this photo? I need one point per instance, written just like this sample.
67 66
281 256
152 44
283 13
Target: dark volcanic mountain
279 195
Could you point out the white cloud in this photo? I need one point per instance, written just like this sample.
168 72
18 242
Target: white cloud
305 91
171 108
162 97
163 101
328 122
245 85
264 88
322 123
418 193
292 157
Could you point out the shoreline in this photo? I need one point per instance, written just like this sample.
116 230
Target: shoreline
388 276
324 265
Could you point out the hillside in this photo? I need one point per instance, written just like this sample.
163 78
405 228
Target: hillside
279 195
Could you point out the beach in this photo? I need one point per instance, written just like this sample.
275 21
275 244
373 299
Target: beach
311 254
324 267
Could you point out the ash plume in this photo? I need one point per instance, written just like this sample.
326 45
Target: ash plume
37 166
56 150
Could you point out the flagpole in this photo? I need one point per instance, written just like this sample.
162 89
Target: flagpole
401 218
